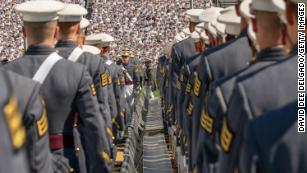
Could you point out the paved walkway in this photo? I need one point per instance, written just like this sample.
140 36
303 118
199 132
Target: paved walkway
156 157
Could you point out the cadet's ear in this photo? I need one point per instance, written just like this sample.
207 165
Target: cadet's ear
237 7
78 29
56 32
24 31
290 14
83 40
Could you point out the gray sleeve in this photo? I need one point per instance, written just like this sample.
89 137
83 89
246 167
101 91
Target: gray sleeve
92 126
36 122
248 157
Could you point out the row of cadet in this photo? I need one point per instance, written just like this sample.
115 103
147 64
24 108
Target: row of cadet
229 89
65 105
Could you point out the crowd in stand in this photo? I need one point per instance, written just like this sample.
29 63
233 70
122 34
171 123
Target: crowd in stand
143 26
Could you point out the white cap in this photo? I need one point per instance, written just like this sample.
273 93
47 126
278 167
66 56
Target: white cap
72 13
280 4
107 40
179 37
94 39
193 15
92 49
245 10
212 30
39 11
84 23
195 36
224 10
232 21
203 35
209 14
186 31
267 5
200 26
220 27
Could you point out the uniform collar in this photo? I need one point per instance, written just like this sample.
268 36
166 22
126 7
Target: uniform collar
272 53
106 57
66 43
39 49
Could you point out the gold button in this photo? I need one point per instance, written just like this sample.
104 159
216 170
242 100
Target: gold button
77 149
71 170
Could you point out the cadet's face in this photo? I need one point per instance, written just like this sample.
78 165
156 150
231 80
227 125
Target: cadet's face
192 26
125 59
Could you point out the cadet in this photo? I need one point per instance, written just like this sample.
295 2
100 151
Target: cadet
132 76
279 124
216 67
160 73
208 15
83 29
180 52
269 34
118 74
91 49
182 87
164 70
67 88
13 137
69 24
201 41
148 78
114 93
221 92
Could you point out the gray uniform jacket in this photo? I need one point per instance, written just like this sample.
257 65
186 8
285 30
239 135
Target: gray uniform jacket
96 69
218 100
226 61
69 91
254 95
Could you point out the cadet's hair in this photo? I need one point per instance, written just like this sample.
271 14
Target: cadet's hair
40 31
67 28
270 23
293 6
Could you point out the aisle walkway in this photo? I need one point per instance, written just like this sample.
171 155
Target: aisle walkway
156 157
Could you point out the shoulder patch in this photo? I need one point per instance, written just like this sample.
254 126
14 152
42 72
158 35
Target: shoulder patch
15 125
93 90
106 157
197 85
42 124
188 88
206 121
178 84
190 108
110 80
226 136
122 80
162 69
104 79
